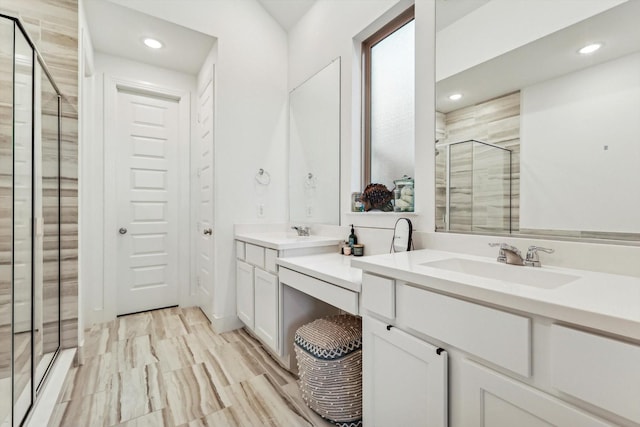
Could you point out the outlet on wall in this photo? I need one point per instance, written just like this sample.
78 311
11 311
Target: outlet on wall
260 209
309 211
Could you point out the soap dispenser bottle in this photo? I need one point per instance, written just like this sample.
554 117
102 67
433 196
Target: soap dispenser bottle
352 237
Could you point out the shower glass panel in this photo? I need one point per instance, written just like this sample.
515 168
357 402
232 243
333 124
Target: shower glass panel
47 301
491 194
29 222
23 250
6 214
473 187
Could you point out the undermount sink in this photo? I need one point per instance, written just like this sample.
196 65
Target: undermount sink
529 276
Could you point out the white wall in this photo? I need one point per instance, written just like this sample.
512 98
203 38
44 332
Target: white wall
251 120
334 29
580 151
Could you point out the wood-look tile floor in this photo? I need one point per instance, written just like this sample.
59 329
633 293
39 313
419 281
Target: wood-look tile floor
169 368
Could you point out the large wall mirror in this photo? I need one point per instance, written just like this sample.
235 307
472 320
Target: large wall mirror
538 117
314 148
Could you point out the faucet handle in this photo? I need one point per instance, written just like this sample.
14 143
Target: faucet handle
511 256
532 255
502 257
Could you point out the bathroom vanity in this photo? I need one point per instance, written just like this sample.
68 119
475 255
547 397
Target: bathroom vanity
465 341
259 294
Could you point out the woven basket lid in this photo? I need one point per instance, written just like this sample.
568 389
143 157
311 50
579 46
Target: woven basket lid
331 337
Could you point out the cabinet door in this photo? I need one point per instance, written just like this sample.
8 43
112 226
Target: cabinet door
490 399
244 293
266 308
404 379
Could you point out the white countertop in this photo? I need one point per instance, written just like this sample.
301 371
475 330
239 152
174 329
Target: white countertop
285 240
333 268
607 302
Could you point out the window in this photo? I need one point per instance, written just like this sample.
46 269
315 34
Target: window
389 82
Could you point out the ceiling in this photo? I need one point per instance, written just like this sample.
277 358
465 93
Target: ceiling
545 58
287 12
119 31
449 11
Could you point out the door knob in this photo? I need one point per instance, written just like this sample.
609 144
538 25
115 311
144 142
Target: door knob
122 230
208 231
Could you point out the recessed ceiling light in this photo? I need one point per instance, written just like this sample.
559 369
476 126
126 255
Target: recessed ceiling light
455 96
152 43
590 48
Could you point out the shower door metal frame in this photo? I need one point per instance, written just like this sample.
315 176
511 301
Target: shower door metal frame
36 59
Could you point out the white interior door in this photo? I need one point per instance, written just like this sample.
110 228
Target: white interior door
205 237
147 202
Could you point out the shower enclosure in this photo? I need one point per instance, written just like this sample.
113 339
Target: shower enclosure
29 222
473 187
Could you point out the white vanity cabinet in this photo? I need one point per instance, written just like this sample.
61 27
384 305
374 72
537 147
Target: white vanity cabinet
505 368
244 293
258 291
494 400
405 379
266 307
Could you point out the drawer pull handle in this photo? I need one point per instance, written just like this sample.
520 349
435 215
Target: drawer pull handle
439 351
389 327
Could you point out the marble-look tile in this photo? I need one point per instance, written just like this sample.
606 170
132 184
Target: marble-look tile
134 325
174 354
153 419
168 323
92 377
191 393
194 316
134 353
193 378
137 392
264 403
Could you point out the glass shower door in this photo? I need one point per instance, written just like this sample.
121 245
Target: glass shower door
6 215
22 228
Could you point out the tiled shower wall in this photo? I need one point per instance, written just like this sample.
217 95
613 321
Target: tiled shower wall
53 26
496 121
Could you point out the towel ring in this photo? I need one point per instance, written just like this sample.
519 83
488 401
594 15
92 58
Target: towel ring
310 181
263 177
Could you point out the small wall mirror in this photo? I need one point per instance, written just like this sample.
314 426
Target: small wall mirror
402 236
314 148
537 117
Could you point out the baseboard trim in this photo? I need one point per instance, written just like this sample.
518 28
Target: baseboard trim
226 324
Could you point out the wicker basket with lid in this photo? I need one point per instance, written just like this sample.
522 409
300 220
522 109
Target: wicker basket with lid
329 355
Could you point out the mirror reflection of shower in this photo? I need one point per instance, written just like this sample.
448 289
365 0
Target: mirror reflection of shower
473 187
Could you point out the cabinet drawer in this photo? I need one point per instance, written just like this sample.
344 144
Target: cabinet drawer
254 255
378 295
240 250
341 298
270 256
493 335
599 370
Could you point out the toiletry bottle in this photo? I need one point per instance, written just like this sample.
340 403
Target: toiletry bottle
352 237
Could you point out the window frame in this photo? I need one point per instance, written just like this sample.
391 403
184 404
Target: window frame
367 45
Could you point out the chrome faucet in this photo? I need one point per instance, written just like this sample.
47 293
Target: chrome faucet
532 255
302 230
508 254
